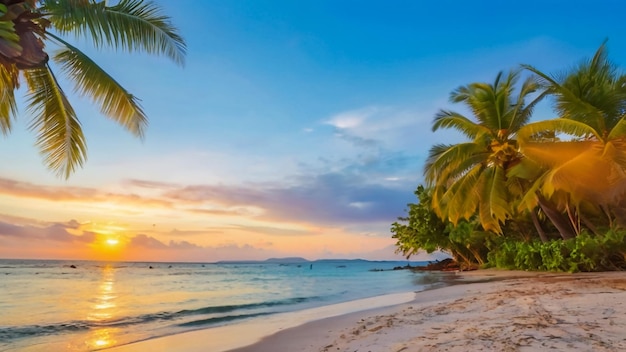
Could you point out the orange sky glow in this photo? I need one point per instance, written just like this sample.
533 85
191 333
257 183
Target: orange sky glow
137 223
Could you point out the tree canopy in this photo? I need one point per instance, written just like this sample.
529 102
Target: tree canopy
527 185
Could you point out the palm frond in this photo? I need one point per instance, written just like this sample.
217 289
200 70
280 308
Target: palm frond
594 174
566 126
59 135
451 119
522 111
493 208
131 25
619 131
569 104
615 150
444 159
90 80
8 106
525 169
460 199
593 92
530 199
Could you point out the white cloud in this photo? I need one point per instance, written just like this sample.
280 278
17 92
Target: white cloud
352 119
360 205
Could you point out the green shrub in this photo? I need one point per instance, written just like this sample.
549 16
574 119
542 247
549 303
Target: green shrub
583 253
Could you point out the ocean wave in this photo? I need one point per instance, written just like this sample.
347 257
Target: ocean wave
10 333
224 319
217 315
267 304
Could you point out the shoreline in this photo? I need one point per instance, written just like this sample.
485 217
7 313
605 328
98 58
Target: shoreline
511 311
247 333
477 310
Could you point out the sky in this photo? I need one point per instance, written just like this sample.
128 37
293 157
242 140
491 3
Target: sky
295 128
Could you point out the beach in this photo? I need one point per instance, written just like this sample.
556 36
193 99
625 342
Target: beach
503 311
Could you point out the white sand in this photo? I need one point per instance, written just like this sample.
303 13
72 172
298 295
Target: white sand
531 312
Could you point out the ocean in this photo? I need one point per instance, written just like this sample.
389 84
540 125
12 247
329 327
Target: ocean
87 305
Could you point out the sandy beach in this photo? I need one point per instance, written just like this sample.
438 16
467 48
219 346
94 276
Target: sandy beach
512 311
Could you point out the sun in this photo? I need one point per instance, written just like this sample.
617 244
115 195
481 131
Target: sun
112 241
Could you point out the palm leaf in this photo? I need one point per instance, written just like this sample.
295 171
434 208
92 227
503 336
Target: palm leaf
570 127
569 104
522 112
59 135
615 150
552 154
619 131
593 174
443 159
460 200
530 199
131 25
451 119
525 169
493 208
90 80
8 107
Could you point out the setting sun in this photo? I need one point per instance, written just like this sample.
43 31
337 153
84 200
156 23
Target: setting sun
112 241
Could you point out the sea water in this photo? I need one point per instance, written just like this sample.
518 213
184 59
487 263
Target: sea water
85 305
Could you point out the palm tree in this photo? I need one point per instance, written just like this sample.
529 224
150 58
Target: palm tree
586 164
29 27
471 178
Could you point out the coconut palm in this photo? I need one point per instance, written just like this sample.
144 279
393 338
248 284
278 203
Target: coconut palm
29 28
471 178
587 163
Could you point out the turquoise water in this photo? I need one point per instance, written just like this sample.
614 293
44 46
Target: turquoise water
96 305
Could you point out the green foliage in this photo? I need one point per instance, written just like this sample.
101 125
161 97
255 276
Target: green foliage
514 182
583 253
424 230
470 179
469 241
27 35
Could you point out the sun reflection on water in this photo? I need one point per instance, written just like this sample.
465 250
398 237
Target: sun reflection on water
104 309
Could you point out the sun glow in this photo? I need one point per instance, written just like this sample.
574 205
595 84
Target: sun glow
109 247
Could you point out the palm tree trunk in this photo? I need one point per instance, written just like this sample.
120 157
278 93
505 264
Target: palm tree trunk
589 225
540 231
477 256
559 221
574 219
457 254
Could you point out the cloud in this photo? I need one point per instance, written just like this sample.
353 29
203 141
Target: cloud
333 198
56 232
358 141
149 184
74 194
357 193
222 212
182 245
143 241
183 233
276 231
352 119
26 189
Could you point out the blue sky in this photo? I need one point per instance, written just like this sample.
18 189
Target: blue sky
295 127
